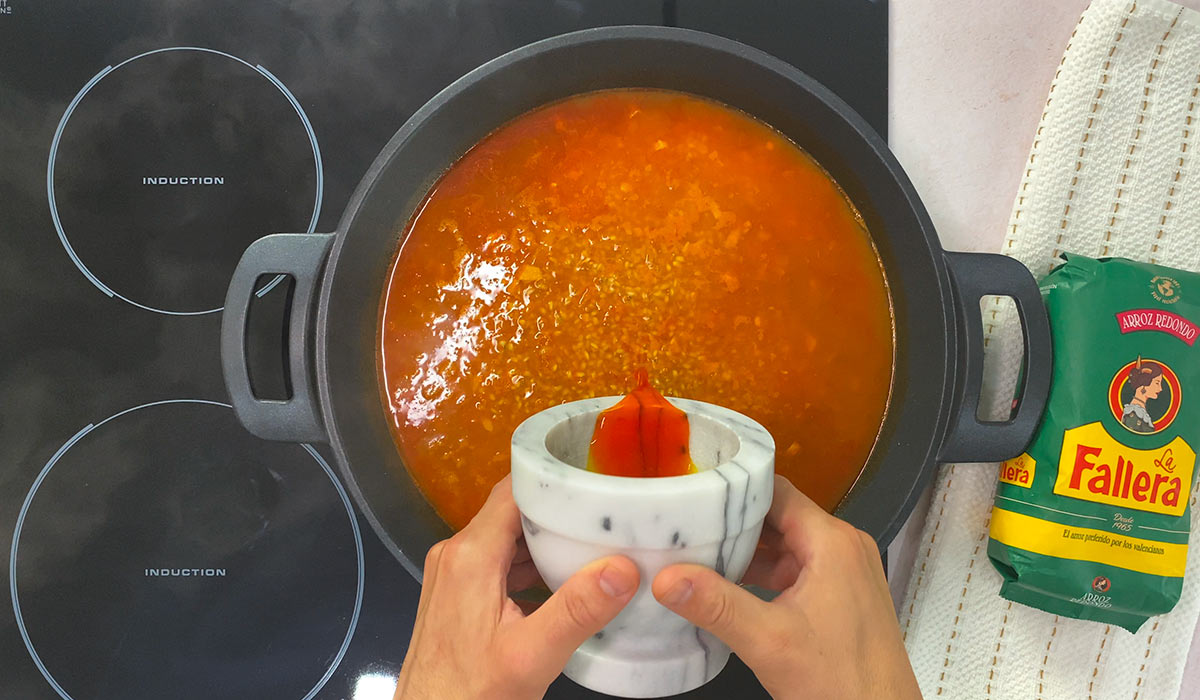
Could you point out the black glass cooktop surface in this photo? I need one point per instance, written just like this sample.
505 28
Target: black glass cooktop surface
154 548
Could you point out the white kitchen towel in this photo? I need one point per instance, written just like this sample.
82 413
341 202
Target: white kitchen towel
1113 170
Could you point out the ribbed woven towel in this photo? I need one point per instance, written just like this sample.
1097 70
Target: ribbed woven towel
1112 171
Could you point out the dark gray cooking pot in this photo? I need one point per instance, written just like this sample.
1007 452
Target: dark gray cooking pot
339 277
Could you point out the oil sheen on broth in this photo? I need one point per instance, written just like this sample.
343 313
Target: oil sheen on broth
623 229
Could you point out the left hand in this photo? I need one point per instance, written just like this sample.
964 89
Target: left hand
472 641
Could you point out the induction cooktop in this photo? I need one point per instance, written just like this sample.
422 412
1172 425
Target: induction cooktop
155 549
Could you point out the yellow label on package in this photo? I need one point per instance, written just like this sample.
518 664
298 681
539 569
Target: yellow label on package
1088 544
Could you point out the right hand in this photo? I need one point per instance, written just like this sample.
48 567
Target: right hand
831 633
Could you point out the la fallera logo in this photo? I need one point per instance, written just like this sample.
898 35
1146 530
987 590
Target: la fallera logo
1094 466
1019 471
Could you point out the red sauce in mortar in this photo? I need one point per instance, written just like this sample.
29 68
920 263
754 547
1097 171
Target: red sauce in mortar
643 435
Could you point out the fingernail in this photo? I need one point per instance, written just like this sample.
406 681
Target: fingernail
679 593
613 582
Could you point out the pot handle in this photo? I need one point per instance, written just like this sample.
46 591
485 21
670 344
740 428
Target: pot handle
301 255
968 439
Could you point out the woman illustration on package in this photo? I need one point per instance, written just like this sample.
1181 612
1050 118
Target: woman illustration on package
1146 379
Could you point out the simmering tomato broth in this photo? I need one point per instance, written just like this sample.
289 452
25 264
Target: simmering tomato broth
633 228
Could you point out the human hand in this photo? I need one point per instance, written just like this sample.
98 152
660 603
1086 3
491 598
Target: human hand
472 641
830 634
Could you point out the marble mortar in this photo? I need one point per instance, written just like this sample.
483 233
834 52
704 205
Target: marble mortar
572 517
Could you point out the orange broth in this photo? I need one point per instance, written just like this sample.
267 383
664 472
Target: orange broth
633 228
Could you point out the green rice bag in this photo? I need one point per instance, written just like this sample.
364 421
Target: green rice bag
1092 521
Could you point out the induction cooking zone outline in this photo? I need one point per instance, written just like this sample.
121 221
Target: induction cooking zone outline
100 554
173 179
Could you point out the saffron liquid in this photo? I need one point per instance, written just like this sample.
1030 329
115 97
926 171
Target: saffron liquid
643 435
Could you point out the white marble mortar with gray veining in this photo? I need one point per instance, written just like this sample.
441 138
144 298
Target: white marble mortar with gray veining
572 517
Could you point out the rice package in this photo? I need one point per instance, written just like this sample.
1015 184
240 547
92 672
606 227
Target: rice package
1092 521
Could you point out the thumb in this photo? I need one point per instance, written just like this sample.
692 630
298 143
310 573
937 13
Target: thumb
710 601
580 608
